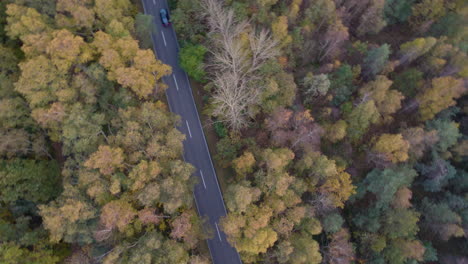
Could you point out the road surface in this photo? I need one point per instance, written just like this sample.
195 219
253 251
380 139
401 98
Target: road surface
208 197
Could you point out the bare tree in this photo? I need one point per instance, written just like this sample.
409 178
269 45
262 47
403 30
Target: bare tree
234 64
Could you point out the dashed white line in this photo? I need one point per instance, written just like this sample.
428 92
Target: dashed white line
154 2
176 85
164 39
203 178
188 127
219 234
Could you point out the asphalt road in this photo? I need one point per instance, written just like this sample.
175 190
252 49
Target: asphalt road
208 197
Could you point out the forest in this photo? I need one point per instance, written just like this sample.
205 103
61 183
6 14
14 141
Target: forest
341 131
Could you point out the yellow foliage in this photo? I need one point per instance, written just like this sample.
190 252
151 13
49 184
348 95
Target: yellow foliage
106 159
394 147
279 29
440 96
339 188
244 164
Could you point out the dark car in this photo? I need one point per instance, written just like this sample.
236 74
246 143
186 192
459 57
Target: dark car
165 19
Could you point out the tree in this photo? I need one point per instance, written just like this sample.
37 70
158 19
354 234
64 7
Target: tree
408 82
306 250
332 223
386 100
439 96
315 86
400 223
14 254
295 129
117 214
338 188
332 41
372 20
340 250
190 24
411 50
400 250
279 91
419 140
426 12
82 14
385 183
336 132
187 227
447 131
235 64
144 27
38 87
106 159
279 30
14 113
436 173
244 164
23 21
341 84
68 217
391 148
128 65
176 187
441 220
191 60
240 196
375 60
361 118
397 11
82 130
143 173
277 159
402 198
31 180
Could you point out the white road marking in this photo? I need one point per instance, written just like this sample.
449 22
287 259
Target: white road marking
154 2
219 234
164 38
190 133
176 85
203 178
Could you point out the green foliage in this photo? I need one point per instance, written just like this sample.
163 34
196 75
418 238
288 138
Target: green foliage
3 21
342 84
280 90
76 86
189 25
397 11
441 219
332 223
306 250
144 27
46 7
191 60
436 173
226 151
220 129
400 223
447 131
408 82
31 180
11 253
361 118
375 60
385 183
